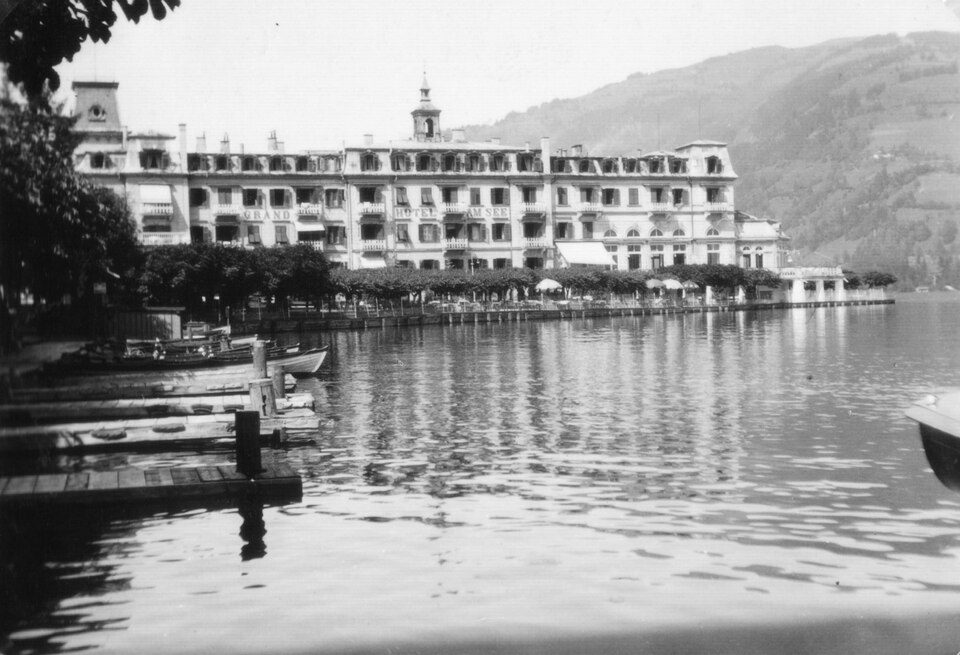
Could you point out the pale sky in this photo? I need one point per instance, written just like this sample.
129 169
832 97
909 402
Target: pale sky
321 72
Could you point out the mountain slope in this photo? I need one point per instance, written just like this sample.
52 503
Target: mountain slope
854 145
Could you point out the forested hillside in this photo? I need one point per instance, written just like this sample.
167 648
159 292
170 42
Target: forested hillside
854 145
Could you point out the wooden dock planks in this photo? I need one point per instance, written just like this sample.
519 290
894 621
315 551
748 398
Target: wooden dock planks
134 484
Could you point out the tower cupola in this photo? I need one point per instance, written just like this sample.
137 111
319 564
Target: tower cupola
426 117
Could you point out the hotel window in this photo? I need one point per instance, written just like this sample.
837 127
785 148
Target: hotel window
714 194
279 198
153 159
562 198
196 234
336 235
370 194
658 195
429 233
614 255
587 195
449 194
98 160
426 196
630 166
588 229
609 165
535 263
656 257
746 258
501 263
474 163
280 233
611 197
277 164
310 236
713 232
498 196
532 230
429 264
252 198
222 163
198 197
303 164
713 253
678 166
477 232
371 232
453 231
399 162
529 193
449 163
497 163
679 196
585 166
227 233
501 232
633 197
564 230
679 254
758 258
253 235
224 196
308 196
425 163
475 196
655 165
476 264
633 258
333 197
196 163
400 196
250 164
369 162
527 162
714 166
403 233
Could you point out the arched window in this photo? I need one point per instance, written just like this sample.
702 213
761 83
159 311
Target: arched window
429 125
633 234
713 232
679 233
759 248
656 233
610 234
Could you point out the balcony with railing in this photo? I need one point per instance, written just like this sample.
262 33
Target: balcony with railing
156 209
227 210
717 207
590 207
164 238
533 208
316 245
662 207
377 245
453 208
455 244
534 242
370 208
309 209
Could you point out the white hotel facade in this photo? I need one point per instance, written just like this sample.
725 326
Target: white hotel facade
428 202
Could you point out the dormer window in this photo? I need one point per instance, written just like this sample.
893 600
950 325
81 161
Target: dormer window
449 163
276 164
526 162
369 162
222 163
97 113
152 158
497 163
250 164
585 166
655 165
655 232
98 160
474 163
679 233
424 162
609 165
714 166
630 166
399 162
678 166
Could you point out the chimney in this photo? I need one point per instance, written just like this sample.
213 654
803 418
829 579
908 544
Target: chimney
272 142
183 146
459 136
545 151
123 136
202 143
225 144
368 139
526 146
576 151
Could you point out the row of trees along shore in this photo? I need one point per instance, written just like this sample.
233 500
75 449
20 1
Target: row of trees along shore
202 276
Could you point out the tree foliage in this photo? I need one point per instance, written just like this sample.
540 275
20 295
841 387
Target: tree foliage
40 34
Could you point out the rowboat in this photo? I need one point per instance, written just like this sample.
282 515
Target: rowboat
291 359
939 419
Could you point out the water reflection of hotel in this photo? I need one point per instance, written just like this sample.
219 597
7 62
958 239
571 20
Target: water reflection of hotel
430 201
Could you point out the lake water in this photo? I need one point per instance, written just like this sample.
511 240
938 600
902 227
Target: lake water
739 482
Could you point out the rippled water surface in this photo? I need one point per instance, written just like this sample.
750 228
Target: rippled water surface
536 482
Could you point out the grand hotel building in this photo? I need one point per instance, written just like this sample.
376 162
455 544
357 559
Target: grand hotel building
428 202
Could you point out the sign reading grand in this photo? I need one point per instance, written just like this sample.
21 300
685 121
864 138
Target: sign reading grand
410 213
266 214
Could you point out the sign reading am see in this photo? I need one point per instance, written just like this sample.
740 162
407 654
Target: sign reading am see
431 212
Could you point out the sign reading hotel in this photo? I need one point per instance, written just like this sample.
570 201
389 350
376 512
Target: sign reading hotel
410 213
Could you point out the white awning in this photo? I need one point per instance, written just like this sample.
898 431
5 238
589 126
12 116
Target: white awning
584 252
373 262
155 194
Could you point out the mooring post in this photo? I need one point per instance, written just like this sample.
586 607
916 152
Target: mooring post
247 425
262 399
279 382
259 359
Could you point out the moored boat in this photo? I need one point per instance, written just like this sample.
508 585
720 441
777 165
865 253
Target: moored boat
939 419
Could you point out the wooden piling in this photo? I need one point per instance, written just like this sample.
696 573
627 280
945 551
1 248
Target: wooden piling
262 397
248 443
259 359
279 383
